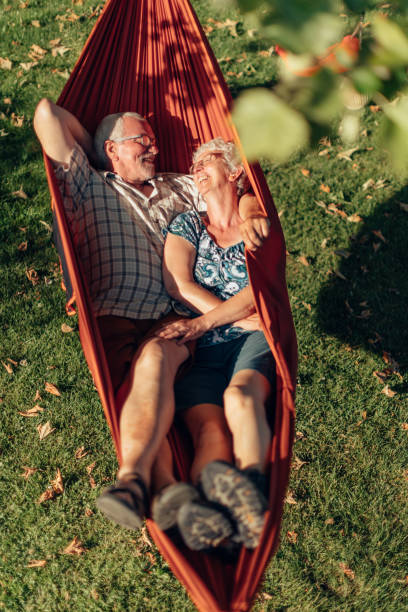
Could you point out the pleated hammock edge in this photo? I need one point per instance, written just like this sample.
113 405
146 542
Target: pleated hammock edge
152 57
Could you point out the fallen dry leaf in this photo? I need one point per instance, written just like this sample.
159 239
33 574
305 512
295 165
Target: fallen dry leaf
23 246
325 188
80 453
37 52
66 329
74 548
368 184
347 571
305 172
299 435
46 496
354 218
7 100
297 463
303 260
32 412
88 512
8 367
324 152
374 108
37 396
329 521
54 42
347 154
59 50
342 253
50 388
5 63
340 275
62 73
381 376
17 120
28 65
20 193
334 209
387 357
292 536
379 235
290 498
388 392
45 430
404 426
90 467
94 595
37 563
145 537
57 483
27 472
36 23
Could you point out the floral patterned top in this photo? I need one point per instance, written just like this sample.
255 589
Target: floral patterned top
221 271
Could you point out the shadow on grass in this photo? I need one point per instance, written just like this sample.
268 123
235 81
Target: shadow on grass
368 307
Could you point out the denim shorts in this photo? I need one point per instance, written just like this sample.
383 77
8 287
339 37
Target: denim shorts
214 366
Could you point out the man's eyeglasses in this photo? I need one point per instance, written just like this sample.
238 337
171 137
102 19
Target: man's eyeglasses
204 162
142 139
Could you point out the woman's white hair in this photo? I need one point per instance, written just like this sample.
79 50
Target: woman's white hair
110 128
230 155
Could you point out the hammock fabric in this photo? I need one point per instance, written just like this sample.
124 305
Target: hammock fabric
152 57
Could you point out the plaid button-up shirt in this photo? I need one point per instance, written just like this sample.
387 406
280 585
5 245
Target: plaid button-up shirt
118 233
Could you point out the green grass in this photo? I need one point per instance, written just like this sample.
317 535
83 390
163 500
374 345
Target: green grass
351 510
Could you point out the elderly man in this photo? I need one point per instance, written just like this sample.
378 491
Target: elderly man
117 217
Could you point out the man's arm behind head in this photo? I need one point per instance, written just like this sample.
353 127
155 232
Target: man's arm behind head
58 131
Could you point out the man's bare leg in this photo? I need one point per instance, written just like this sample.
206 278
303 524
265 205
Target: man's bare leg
146 418
148 411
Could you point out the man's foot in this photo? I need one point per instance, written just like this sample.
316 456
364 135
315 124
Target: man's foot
202 526
125 503
228 486
167 503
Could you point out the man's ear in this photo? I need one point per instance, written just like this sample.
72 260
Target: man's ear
110 148
234 176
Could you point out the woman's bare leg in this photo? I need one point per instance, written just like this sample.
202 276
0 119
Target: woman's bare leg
244 404
210 434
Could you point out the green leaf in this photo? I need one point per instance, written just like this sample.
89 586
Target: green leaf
268 127
395 133
365 81
392 40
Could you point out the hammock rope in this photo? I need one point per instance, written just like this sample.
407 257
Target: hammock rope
152 57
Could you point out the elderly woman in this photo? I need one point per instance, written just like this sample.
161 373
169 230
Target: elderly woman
222 397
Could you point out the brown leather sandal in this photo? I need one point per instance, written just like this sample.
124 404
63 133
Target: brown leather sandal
125 503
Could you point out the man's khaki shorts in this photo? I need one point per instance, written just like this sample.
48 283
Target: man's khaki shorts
122 338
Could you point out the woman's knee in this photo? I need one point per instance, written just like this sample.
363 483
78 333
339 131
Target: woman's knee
208 428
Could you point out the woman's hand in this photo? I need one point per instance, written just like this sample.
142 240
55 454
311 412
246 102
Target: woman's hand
254 231
184 329
251 323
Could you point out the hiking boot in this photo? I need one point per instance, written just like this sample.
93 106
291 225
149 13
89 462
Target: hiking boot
235 491
202 526
169 500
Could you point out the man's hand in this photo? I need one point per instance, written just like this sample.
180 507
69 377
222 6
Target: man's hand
184 329
251 323
254 230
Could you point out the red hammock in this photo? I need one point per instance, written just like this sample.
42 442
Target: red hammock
151 56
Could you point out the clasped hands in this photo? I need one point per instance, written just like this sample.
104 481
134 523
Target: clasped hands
191 329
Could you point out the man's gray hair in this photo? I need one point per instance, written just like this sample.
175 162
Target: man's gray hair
110 128
231 157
